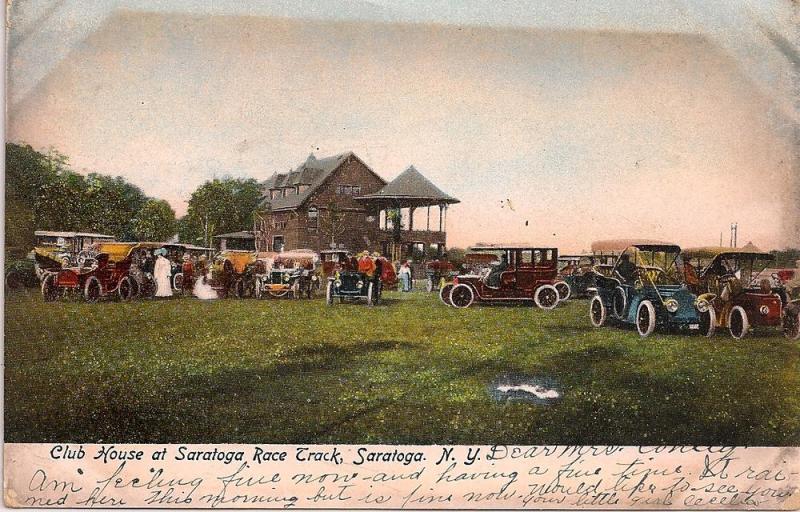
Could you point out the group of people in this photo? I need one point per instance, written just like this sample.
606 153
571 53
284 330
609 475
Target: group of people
379 268
193 269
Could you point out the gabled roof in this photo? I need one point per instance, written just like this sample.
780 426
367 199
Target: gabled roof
411 184
313 173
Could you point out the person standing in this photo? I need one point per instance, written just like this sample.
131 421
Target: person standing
162 272
187 269
405 276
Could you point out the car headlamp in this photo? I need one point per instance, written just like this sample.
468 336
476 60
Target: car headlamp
764 310
337 283
702 305
359 285
314 278
671 305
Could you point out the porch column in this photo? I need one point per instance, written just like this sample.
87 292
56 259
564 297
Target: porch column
429 218
411 218
441 208
445 218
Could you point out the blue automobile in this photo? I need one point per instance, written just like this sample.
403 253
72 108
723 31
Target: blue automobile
647 289
352 286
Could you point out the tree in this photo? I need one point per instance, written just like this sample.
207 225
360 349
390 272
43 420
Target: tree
332 222
154 222
220 206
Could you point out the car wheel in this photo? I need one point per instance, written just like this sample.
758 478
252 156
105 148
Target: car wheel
738 324
125 289
461 296
92 290
597 312
49 288
177 281
618 302
329 294
708 322
429 285
546 296
791 325
645 318
563 289
14 280
444 294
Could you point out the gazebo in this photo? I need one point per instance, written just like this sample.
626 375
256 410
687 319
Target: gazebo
396 204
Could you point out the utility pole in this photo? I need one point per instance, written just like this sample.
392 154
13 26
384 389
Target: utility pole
734 229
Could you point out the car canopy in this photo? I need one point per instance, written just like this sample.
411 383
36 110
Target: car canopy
118 251
710 255
239 259
616 246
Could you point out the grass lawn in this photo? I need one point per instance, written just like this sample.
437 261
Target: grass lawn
408 371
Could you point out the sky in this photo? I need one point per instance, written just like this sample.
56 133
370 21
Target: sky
661 120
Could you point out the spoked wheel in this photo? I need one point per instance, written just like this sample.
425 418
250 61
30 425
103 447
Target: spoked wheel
444 294
92 290
429 285
14 280
461 296
563 289
49 288
791 324
177 281
618 302
597 312
125 289
546 297
645 318
738 324
708 322
329 294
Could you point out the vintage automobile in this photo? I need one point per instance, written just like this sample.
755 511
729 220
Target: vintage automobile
647 289
20 273
117 269
524 273
437 273
232 273
731 282
580 273
65 248
290 273
350 284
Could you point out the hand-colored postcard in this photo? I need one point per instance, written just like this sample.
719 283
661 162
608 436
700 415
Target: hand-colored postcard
402 255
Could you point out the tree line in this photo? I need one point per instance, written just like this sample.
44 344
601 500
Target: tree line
44 193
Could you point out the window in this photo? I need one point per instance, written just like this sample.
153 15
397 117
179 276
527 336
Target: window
301 188
356 190
348 190
527 257
277 243
313 218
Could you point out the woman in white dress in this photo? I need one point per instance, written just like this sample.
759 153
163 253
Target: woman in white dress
203 290
162 273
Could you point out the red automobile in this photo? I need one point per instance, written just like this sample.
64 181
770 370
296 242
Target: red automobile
115 271
732 284
521 274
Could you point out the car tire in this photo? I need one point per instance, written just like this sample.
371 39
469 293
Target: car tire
92 289
444 294
329 294
49 288
708 322
177 281
618 302
598 314
546 296
738 323
125 289
461 296
791 325
645 318
564 290
14 280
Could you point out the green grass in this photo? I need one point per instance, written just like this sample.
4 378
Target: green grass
408 371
